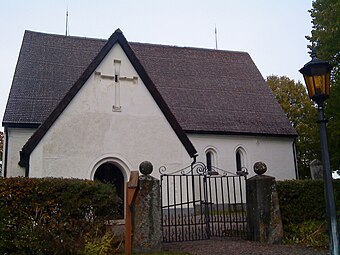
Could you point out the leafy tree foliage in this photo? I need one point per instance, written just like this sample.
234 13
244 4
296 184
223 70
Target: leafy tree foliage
302 114
333 112
326 33
325 39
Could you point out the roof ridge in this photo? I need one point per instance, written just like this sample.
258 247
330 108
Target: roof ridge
67 36
187 47
140 43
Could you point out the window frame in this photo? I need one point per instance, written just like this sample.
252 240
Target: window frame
212 158
240 159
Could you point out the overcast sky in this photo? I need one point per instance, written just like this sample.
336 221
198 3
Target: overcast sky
272 32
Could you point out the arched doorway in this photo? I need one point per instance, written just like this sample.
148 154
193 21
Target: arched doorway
110 173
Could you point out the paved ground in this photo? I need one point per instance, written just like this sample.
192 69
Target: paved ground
227 246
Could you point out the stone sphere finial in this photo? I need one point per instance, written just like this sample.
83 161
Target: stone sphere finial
146 167
260 168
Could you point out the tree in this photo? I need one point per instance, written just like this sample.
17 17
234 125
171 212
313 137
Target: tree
326 33
325 40
333 113
302 114
1 144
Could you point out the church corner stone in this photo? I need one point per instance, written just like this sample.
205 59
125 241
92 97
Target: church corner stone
263 211
147 219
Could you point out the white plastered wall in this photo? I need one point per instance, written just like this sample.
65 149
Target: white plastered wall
275 152
89 131
17 137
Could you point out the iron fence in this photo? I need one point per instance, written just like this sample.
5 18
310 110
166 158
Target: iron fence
198 203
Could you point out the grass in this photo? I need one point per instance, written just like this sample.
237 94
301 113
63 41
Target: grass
311 233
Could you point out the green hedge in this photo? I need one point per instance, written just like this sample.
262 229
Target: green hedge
53 216
302 200
303 210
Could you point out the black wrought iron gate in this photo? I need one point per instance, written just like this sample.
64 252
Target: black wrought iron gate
198 203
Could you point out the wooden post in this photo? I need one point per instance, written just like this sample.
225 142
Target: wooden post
131 192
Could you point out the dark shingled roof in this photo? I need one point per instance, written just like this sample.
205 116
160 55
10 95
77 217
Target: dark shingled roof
208 91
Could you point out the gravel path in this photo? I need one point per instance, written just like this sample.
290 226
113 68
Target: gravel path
227 246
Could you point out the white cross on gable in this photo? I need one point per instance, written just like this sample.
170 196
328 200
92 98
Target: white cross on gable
117 78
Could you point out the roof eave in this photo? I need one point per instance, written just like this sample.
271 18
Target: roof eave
240 133
20 125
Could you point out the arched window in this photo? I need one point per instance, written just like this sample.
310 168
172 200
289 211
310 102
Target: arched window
209 156
240 156
238 161
211 159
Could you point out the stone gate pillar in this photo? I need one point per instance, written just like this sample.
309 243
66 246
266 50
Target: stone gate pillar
263 211
147 216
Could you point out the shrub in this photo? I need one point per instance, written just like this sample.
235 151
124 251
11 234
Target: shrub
40 216
311 233
303 211
107 244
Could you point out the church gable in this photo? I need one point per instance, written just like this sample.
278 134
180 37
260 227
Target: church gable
108 68
112 113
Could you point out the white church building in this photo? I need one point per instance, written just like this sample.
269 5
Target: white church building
92 108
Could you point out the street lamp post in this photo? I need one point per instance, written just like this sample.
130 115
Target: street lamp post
317 77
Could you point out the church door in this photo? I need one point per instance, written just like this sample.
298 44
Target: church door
110 173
